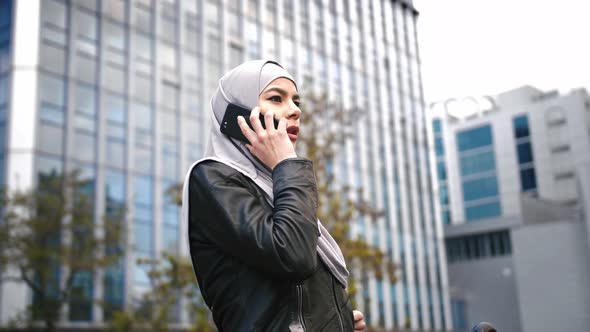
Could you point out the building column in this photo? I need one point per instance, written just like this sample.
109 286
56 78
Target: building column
21 128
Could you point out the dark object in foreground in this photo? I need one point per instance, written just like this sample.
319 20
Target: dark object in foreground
483 327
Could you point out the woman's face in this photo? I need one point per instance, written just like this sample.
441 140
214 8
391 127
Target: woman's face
281 97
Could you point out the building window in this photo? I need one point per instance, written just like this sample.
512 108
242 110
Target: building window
169 31
236 55
524 153
144 87
53 59
528 180
478 246
143 47
480 188
143 219
235 24
114 283
170 220
55 21
86 69
441 171
116 130
474 138
479 162
142 19
482 211
86 24
439 146
169 54
212 12
114 78
170 159
446 216
116 9
115 36
478 168
84 146
192 32
459 314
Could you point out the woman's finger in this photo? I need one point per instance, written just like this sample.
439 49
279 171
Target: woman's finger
255 121
282 127
269 122
360 326
357 315
250 135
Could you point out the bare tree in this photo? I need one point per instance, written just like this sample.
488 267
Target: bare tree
49 241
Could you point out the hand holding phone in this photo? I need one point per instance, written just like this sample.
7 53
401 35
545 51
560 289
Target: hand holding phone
229 123
269 145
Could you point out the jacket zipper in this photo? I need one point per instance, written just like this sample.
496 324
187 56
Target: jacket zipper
337 305
300 306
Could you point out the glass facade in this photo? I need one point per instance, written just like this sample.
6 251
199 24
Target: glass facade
477 166
5 54
123 94
441 171
524 154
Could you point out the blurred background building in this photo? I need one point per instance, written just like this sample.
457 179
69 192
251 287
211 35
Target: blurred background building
120 90
513 186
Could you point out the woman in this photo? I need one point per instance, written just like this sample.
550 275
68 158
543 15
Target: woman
263 260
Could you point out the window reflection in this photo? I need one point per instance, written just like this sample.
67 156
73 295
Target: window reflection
54 13
85 69
143 160
84 146
86 99
115 36
143 190
142 19
115 153
143 47
116 9
52 90
114 79
116 111
53 59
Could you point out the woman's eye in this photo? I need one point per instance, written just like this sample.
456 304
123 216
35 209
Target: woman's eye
275 99
297 103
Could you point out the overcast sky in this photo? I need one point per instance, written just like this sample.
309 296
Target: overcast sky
479 47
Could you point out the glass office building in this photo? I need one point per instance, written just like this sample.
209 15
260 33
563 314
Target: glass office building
120 90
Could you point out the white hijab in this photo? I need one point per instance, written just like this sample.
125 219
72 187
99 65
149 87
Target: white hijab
242 86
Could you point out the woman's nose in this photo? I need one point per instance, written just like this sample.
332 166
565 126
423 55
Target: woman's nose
294 112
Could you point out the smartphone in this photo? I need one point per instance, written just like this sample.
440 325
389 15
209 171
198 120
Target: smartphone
229 123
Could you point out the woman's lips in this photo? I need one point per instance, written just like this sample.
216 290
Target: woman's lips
292 131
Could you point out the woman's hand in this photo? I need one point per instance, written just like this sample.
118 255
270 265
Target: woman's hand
270 145
359 321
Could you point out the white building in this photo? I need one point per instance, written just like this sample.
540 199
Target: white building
509 174
120 89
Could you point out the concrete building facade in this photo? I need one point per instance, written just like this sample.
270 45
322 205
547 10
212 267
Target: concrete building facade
120 89
511 183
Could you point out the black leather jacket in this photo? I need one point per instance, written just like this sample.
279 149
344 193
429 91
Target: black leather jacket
257 266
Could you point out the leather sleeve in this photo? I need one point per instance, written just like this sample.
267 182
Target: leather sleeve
280 240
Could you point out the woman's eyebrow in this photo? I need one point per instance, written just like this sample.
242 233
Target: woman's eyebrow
281 91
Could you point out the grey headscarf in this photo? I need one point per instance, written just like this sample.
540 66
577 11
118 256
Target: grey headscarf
242 86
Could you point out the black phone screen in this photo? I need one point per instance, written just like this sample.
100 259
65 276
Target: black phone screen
229 124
